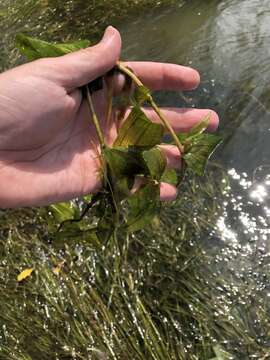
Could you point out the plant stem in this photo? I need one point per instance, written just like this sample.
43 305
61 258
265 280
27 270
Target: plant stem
167 124
151 101
130 73
109 93
95 118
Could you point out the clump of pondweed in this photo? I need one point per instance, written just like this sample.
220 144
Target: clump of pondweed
135 153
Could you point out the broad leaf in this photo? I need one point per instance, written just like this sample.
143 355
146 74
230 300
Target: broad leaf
139 131
200 149
143 207
35 49
64 211
155 162
183 138
72 235
200 127
122 165
170 177
186 138
123 161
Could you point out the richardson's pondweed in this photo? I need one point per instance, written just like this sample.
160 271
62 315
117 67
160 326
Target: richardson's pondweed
135 153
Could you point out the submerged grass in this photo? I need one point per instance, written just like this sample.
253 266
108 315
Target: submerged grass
57 20
153 295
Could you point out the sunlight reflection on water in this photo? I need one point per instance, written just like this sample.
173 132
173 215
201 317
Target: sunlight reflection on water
249 208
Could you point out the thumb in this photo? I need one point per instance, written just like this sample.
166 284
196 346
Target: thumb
83 66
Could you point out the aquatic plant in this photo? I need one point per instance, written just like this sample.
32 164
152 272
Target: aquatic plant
135 153
83 301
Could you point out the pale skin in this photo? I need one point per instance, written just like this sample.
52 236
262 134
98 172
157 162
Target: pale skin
48 145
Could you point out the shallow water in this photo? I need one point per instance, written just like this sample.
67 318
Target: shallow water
228 42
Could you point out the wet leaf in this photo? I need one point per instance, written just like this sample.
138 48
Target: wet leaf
139 131
200 127
200 149
144 205
198 146
155 162
186 138
123 161
72 235
123 165
64 211
24 274
141 94
35 49
170 177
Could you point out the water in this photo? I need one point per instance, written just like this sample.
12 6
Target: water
228 42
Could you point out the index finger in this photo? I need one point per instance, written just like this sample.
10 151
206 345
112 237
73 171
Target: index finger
165 76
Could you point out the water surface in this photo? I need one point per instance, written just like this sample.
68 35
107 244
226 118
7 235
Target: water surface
228 42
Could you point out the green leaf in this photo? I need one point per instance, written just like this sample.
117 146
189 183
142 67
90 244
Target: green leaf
141 94
35 49
72 235
143 205
122 165
200 127
185 138
170 177
64 211
155 162
139 131
123 161
200 149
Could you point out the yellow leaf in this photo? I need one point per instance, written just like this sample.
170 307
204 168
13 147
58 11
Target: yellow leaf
24 274
56 270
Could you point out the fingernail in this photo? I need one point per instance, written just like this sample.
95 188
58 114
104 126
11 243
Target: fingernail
108 34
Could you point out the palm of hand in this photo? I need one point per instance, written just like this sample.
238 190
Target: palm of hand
54 149
48 145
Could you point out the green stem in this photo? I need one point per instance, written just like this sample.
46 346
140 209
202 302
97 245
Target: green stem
109 94
95 118
128 72
151 101
166 124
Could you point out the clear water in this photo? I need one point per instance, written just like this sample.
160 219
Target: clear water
228 42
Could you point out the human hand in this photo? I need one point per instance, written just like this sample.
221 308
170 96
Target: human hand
48 145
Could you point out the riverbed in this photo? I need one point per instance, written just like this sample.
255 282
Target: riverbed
228 43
